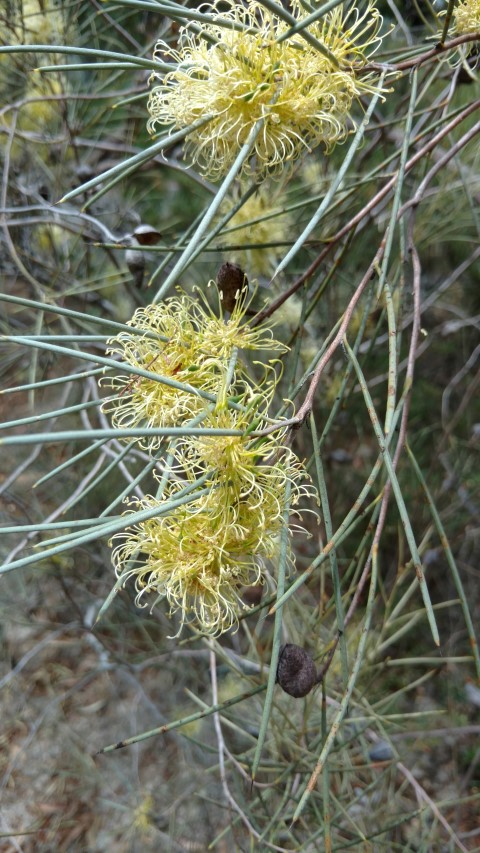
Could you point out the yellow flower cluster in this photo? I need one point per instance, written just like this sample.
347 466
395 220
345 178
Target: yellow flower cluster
465 20
35 96
240 71
467 17
225 504
257 227
187 557
36 22
186 348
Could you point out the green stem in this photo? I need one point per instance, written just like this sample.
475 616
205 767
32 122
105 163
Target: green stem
277 636
398 494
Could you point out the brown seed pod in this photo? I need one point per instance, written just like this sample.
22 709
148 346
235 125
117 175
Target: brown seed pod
232 284
296 671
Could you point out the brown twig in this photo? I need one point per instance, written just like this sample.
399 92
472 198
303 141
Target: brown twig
434 53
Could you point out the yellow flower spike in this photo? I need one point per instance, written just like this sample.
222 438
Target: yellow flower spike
253 224
169 346
182 340
467 17
241 75
200 556
198 566
221 336
249 475
465 20
37 22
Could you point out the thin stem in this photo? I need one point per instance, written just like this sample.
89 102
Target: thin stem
398 495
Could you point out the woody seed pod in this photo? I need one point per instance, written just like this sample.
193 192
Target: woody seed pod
296 671
232 284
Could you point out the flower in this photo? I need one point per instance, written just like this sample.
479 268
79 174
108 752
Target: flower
467 17
256 226
254 471
37 22
465 20
222 336
30 22
201 555
192 559
187 346
166 342
240 73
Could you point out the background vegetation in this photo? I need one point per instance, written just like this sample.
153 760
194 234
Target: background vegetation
383 310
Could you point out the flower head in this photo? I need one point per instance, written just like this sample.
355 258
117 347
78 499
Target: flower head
199 550
194 561
465 20
222 336
187 347
252 471
257 227
37 22
467 17
201 555
239 74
